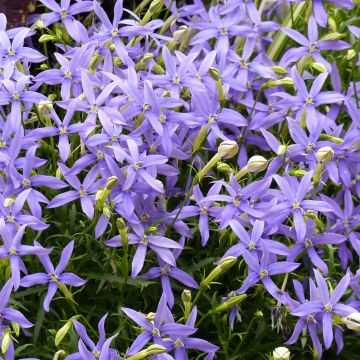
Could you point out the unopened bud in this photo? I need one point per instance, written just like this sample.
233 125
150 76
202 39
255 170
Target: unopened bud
350 54
62 332
228 149
352 321
107 211
230 303
214 73
318 66
332 23
5 343
16 327
279 69
151 350
186 296
94 62
111 182
332 36
223 266
179 34
271 83
297 172
325 154
257 163
8 202
156 6
45 107
281 150
281 353
224 168
147 57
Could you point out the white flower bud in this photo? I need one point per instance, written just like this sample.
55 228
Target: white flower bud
228 149
281 353
352 321
179 33
325 154
257 163
281 150
45 107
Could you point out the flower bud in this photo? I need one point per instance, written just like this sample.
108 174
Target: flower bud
186 296
278 69
214 73
350 54
179 34
297 172
325 154
281 353
5 341
257 163
224 265
111 182
224 168
62 332
45 107
149 351
60 355
352 321
228 149
318 66
156 5
334 139
147 57
332 23
281 150
16 327
230 303
8 202
271 83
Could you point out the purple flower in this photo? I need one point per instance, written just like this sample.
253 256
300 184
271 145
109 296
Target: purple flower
162 325
65 12
84 191
14 50
88 349
166 271
53 276
311 46
262 270
294 203
159 244
326 306
13 249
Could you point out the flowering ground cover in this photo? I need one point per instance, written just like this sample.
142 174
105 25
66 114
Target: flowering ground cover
180 180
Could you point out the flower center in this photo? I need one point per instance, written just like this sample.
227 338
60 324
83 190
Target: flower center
328 307
204 210
63 13
146 107
53 277
223 31
263 273
138 165
12 251
144 240
176 79
178 343
309 100
26 183
296 205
